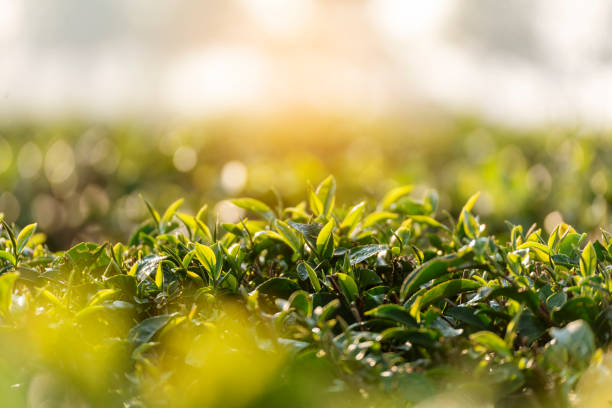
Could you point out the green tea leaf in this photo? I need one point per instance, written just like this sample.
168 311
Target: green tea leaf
7 256
169 213
352 218
541 251
395 194
360 254
393 312
448 289
588 260
578 339
306 272
207 258
432 269
348 286
289 236
144 331
377 217
279 287
159 276
255 206
491 341
325 241
24 236
326 193
300 300
7 281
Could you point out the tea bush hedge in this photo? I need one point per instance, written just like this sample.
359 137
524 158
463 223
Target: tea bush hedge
318 304
81 180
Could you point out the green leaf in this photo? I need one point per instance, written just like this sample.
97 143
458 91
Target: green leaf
466 209
305 271
24 236
432 269
348 286
144 331
560 232
152 211
588 260
491 341
541 251
169 213
352 218
301 301
359 254
316 206
424 219
422 337
395 194
207 258
102 296
7 256
159 276
125 283
393 312
448 289
326 193
578 339
87 255
309 231
522 295
467 315
581 307
376 217
255 206
7 281
279 287
556 301
570 243
147 266
289 236
325 241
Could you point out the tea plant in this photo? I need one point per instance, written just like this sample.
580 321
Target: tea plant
370 305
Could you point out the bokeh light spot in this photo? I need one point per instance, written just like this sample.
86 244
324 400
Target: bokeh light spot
6 155
184 159
59 162
9 206
29 160
234 177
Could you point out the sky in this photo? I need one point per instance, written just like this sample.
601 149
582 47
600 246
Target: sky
520 62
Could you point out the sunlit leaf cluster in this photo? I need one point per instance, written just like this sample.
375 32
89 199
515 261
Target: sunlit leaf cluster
385 304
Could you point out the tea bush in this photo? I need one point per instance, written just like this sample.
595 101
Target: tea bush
315 304
81 180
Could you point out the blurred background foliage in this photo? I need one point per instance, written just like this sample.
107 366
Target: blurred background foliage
82 182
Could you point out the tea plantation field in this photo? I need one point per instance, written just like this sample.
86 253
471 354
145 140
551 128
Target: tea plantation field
386 302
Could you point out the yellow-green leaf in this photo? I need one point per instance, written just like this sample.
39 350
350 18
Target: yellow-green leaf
348 286
7 281
255 206
325 240
392 196
159 276
24 236
376 217
171 210
541 251
492 342
588 260
207 258
326 193
353 217
305 269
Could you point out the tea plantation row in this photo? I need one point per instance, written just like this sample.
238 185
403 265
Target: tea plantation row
313 305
